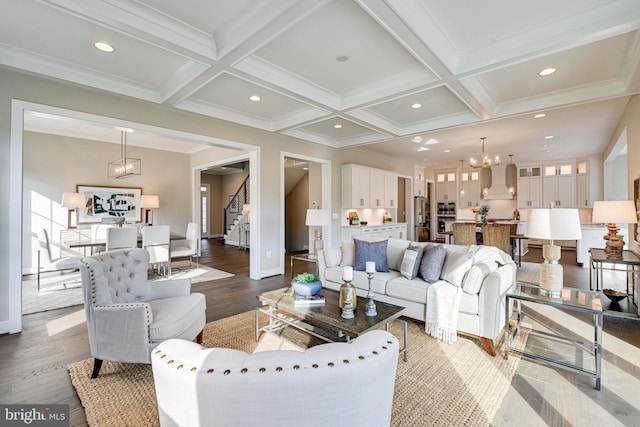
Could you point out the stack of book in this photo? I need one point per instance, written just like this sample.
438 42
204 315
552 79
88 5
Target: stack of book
302 300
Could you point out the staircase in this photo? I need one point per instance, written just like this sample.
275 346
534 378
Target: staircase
234 216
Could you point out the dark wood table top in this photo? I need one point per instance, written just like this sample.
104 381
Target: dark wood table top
328 315
628 257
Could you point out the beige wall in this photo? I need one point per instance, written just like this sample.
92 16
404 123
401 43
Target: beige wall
55 164
296 205
216 208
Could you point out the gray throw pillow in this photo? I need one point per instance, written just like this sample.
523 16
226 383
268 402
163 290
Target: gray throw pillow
411 262
431 265
370 251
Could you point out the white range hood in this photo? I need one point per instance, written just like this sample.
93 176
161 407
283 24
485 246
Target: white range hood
501 185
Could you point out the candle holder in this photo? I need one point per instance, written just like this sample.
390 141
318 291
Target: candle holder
348 300
370 308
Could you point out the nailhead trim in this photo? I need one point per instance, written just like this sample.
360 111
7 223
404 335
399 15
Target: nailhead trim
210 371
227 372
244 371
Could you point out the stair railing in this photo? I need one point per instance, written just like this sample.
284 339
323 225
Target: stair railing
233 211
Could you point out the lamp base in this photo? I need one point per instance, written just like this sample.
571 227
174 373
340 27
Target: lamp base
318 244
551 272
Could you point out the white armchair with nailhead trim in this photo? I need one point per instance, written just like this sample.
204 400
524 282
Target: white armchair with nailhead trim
127 315
336 384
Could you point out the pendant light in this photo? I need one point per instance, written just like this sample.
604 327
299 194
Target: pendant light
124 167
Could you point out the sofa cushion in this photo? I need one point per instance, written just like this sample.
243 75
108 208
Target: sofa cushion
173 316
370 251
348 253
411 262
395 253
332 257
409 290
431 264
456 265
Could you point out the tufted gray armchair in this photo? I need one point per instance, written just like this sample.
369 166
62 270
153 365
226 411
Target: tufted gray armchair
127 315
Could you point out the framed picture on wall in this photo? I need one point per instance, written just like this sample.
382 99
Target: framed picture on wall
109 202
636 200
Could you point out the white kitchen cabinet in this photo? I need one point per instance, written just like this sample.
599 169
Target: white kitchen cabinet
419 182
390 190
530 172
530 192
391 231
583 187
592 237
559 190
470 183
446 188
376 188
355 186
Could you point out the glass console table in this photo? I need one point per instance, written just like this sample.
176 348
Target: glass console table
574 354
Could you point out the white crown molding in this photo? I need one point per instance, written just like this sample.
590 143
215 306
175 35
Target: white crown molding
227 114
187 73
632 65
300 118
49 67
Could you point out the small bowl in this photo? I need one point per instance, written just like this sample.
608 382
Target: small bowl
307 289
614 296
363 223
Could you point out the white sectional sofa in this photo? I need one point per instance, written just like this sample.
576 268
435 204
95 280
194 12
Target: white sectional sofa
485 278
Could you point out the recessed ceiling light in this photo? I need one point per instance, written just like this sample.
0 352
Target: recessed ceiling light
254 98
417 139
342 58
447 151
416 105
423 149
337 126
432 141
539 116
104 46
547 71
548 137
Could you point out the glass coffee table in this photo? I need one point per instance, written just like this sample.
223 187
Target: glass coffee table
574 354
282 312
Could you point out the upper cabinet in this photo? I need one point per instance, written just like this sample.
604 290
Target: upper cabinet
355 186
470 186
446 188
365 187
419 182
529 171
530 187
559 185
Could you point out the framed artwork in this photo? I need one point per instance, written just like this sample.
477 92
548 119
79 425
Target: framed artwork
109 202
636 200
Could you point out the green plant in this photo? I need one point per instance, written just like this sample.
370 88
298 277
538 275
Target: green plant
306 278
484 211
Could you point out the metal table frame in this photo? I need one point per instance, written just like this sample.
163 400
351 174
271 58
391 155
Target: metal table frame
304 257
597 259
529 292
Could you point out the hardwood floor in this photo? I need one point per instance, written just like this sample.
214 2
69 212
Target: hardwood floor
33 364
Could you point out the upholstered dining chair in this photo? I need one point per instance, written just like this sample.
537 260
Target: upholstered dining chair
498 235
464 233
188 248
121 238
329 384
156 240
99 232
127 315
47 263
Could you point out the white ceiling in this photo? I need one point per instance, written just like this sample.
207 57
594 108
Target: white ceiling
472 65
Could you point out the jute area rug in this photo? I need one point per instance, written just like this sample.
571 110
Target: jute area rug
64 290
440 385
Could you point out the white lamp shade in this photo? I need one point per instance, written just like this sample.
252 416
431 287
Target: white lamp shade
73 200
615 212
318 217
246 207
149 201
553 224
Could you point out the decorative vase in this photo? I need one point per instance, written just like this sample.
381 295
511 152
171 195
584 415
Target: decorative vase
306 288
348 289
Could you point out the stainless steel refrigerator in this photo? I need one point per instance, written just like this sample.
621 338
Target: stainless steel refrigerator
422 217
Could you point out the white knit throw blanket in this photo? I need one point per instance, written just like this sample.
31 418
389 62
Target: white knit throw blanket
443 302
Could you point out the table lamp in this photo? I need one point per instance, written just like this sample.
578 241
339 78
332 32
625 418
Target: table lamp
552 224
72 201
318 218
149 202
246 208
612 212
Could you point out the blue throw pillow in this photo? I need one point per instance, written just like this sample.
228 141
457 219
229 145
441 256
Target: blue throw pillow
370 251
432 261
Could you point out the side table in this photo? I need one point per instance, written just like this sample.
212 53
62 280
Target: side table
572 300
307 257
598 258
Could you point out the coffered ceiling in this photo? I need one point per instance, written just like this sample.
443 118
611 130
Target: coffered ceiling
315 64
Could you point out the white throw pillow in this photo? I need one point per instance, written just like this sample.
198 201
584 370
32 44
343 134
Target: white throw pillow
395 253
411 262
348 253
456 265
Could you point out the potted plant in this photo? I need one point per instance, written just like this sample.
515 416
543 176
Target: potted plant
306 284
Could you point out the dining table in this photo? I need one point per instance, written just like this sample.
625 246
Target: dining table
84 242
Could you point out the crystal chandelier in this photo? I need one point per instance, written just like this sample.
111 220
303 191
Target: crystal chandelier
124 167
486 162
